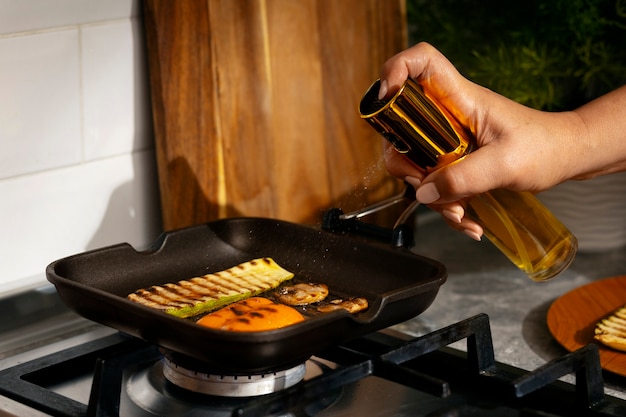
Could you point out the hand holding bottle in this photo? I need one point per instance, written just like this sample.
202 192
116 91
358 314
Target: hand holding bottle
517 148
433 137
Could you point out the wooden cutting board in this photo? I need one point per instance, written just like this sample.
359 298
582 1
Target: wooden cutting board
573 316
255 105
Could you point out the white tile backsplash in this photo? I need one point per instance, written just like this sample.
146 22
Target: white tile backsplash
33 15
39 102
116 103
57 213
77 167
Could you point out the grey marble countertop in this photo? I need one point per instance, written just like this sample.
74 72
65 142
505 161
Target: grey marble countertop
482 280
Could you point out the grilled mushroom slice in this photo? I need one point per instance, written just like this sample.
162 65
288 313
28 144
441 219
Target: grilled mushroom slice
352 305
302 294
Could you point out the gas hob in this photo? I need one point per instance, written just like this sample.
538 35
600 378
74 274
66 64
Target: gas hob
384 373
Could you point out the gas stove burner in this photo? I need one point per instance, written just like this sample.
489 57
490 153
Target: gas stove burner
150 394
232 385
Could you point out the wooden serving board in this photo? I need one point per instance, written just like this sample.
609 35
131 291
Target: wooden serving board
573 316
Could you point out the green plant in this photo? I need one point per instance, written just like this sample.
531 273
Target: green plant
548 54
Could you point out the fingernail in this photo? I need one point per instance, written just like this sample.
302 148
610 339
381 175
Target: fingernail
472 234
382 91
413 181
451 215
427 193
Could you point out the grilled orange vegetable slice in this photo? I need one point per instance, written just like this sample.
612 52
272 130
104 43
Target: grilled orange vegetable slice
252 315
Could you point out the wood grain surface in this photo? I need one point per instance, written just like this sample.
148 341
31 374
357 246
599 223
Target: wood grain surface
573 316
255 105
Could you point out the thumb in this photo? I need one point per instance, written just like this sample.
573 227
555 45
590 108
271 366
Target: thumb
474 174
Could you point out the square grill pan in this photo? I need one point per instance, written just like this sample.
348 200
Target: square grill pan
397 283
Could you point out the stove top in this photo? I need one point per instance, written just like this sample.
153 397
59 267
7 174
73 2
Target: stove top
385 373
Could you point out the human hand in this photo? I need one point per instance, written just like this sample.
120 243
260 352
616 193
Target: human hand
518 147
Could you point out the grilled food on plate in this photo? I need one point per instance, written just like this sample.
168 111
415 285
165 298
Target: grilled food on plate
611 331
252 315
199 295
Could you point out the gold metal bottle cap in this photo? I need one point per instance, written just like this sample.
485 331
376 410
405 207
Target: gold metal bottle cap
415 124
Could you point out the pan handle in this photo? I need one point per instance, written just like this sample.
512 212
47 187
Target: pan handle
400 236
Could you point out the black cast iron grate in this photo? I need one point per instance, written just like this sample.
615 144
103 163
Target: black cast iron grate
425 364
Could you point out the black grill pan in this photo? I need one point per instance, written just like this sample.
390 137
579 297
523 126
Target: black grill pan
397 283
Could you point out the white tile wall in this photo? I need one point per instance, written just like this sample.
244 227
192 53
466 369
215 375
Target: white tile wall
31 15
38 117
115 90
77 167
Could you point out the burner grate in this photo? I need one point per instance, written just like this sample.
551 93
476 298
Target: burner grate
403 364
425 364
28 382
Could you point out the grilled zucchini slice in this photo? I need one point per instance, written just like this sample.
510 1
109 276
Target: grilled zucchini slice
199 295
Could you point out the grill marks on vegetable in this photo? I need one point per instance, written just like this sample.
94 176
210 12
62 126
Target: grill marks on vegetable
302 294
229 295
201 294
256 314
611 330
251 315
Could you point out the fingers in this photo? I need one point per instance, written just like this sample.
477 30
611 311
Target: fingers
454 215
395 72
453 212
399 165
414 62
478 173
423 63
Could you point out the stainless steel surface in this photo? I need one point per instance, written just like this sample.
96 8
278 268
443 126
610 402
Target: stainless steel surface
232 385
40 324
482 280
376 207
51 328
147 395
